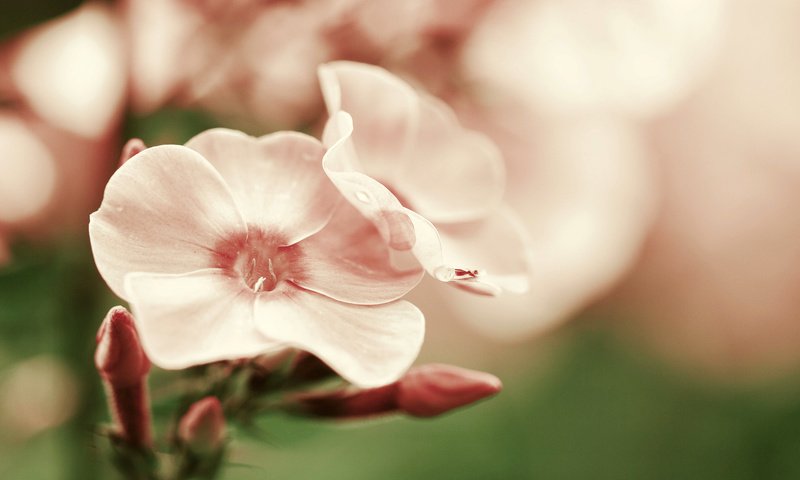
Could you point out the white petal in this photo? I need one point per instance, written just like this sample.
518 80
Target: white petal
164 211
195 318
369 196
497 247
385 112
451 174
277 180
367 345
349 261
406 230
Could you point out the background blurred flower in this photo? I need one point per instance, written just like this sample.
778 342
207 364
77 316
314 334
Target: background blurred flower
37 394
717 285
255 61
63 86
71 71
628 57
584 189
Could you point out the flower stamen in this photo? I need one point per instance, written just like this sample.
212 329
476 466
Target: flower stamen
257 258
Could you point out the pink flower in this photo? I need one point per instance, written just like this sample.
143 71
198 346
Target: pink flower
62 87
245 58
430 186
628 57
71 71
231 246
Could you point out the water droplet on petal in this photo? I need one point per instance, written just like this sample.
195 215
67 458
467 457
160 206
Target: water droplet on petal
444 274
363 196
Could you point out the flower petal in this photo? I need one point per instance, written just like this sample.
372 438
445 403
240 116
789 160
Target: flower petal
349 261
402 228
195 318
415 144
277 180
490 255
451 174
384 109
367 345
163 211
369 196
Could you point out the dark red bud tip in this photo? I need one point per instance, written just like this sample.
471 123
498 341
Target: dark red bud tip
430 390
131 148
202 427
119 356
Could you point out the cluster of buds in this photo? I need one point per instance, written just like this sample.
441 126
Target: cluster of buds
199 440
124 366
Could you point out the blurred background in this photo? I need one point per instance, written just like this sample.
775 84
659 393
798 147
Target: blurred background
653 153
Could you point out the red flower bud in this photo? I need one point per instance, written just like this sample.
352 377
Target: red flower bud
430 390
202 427
119 356
425 391
123 366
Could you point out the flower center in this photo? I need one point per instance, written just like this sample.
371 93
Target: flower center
257 258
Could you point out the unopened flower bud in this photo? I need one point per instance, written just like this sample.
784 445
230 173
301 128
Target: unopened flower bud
431 390
202 427
131 148
425 391
123 366
119 356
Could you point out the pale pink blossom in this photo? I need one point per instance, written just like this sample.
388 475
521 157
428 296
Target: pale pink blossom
71 71
420 40
431 187
62 87
390 33
250 59
629 57
28 171
232 246
717 285
585 190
